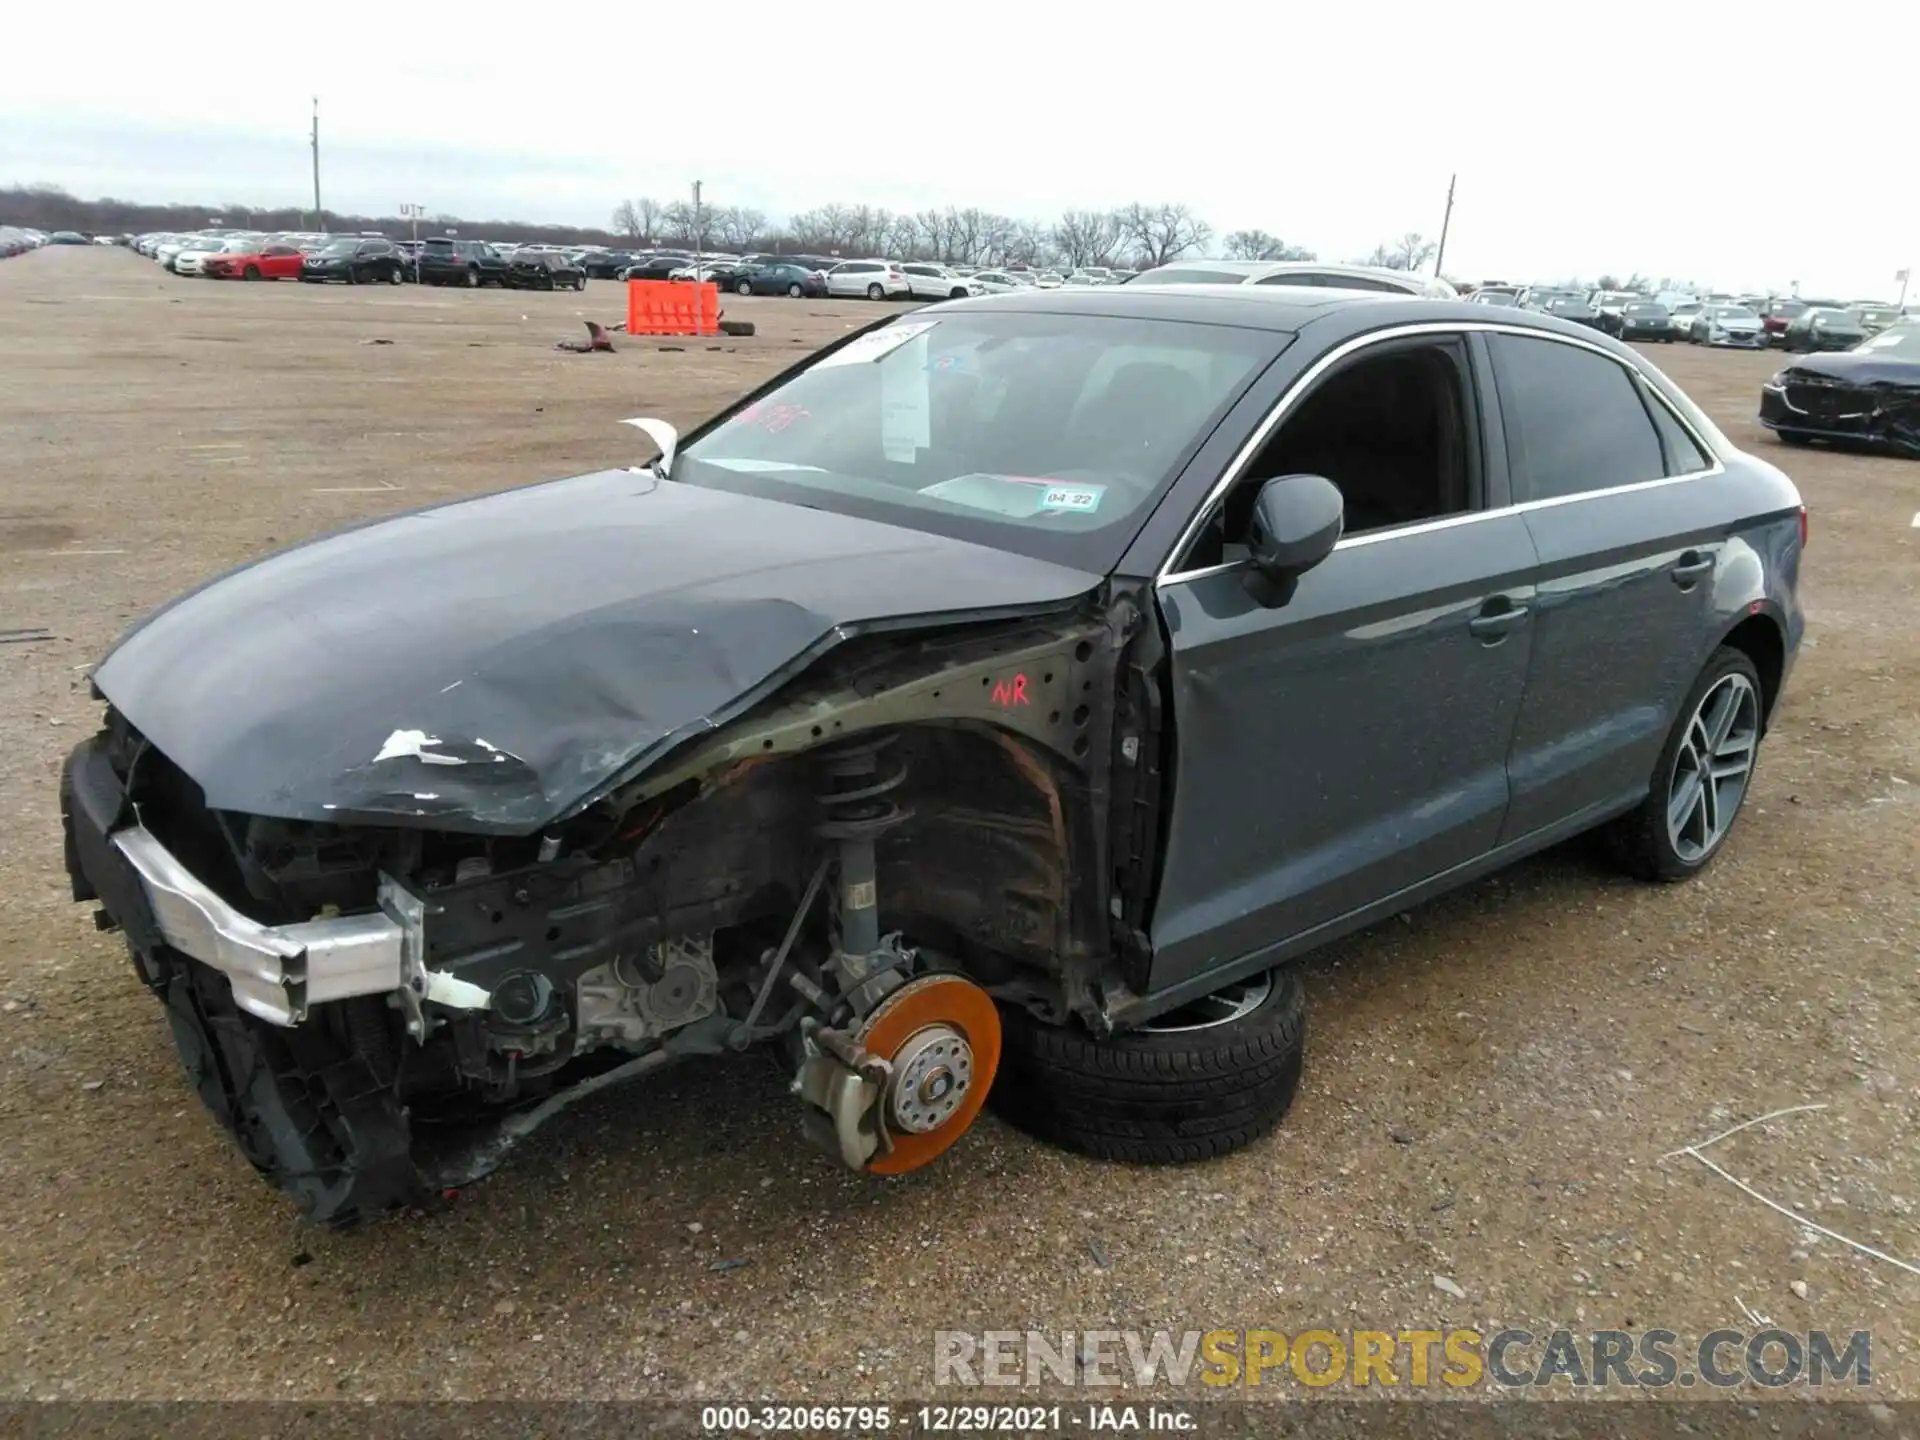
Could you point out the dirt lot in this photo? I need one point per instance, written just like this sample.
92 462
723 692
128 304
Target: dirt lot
1491 1081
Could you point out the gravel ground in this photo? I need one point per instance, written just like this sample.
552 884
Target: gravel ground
1490 1084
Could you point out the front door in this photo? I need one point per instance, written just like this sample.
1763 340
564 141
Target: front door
1334 750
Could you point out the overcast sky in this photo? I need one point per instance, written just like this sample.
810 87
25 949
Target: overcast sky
1669 140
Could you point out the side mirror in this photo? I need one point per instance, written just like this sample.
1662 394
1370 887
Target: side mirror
663 435
1297 520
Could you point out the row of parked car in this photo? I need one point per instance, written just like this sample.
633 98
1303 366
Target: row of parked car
18 239
1745 321
446 260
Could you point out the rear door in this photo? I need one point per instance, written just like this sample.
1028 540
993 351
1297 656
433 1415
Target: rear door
1337 749
1611 483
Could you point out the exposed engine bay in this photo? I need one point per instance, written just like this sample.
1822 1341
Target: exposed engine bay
862 870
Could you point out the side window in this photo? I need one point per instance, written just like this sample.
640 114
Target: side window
1683 453
1391 428
1362 282
1574 419
1289 277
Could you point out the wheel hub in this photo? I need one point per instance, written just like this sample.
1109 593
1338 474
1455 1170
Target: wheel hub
898 1091
931 1078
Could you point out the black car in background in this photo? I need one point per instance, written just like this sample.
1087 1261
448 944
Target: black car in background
1870 393
657 266
782 278
1576 309
543 270
1640 320
607 264
1822 327
357 262
775 691
473 263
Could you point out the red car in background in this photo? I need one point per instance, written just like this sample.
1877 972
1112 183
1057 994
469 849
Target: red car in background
271 262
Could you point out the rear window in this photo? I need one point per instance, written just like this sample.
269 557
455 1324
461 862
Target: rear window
1574 417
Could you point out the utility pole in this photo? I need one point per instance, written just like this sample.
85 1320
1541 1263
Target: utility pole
696 229
1440 255
1902 276
319 215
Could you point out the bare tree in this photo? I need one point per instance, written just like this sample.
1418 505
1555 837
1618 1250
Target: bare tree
1087 237
737 226
1159 233
1409 252
637 219
1260 245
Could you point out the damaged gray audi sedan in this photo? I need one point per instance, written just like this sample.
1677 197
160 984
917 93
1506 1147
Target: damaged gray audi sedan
994 702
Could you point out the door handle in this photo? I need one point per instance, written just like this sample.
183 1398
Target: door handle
1496 618
1691 566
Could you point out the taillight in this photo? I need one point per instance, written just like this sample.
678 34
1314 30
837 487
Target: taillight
1803 527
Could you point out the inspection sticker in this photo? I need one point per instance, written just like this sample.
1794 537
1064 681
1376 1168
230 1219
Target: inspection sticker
875 344
1084 498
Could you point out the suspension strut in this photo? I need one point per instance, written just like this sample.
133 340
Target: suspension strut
857 806
909 1070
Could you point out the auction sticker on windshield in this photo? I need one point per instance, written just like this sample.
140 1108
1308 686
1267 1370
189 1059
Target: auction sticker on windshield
1082 498
875 344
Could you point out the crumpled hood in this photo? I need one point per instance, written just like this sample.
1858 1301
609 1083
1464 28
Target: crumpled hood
493 664
1858 367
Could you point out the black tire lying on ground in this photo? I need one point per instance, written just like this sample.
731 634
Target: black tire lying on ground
736 327
1202 1082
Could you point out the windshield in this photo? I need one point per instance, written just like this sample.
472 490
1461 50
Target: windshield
1902 341
208 245
340 247
1835 320
1647 309
1734 312
1874 315
1498 297
1786 308
1048 435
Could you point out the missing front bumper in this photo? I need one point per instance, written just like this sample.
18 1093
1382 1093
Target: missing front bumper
277 971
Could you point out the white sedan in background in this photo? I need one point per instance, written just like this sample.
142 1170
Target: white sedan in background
926 281
191 256
874 279
998 282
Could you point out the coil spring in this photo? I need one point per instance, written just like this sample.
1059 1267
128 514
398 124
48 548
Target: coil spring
857 803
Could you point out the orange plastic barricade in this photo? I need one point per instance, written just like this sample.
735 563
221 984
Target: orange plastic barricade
673 307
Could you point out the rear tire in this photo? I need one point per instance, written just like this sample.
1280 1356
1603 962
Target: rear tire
875 292
743 287
252 272
1648 842
473 278
1172 1092
795 292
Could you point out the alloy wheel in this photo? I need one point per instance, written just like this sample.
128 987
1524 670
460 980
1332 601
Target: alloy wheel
1712 768
1222 1007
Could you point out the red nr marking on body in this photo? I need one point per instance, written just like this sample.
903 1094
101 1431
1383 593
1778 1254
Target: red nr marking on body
1009 693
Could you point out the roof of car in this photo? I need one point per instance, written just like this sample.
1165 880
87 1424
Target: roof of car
1278 307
